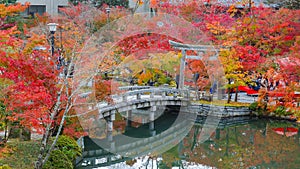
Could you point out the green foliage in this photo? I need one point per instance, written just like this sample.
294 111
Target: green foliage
3 114
253 106
7 2
281 110
5 167
260 108
163 165
14 132
163 80
58 160
68 146
65 153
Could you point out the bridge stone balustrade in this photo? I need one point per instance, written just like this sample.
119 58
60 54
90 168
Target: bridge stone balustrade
145 98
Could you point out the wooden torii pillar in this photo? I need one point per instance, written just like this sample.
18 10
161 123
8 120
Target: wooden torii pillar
199 49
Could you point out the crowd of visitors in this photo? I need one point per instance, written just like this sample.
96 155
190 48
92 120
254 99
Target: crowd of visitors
264 82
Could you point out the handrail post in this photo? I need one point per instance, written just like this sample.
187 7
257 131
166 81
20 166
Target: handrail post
124 98
152 94
139 96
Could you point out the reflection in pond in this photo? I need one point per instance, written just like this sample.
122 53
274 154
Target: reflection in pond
241 142
252 145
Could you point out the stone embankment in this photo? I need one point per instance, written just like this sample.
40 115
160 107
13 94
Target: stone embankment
221 111
231 111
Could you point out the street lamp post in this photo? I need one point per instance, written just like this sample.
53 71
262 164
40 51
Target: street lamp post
52 28
108 12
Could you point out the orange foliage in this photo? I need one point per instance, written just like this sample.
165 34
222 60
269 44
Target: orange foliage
12 9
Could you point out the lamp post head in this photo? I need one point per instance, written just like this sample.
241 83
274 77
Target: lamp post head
52 27
107 10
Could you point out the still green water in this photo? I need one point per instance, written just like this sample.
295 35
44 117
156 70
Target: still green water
242 142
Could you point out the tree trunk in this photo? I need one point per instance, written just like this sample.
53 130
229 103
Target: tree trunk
40 162
67 109
229 92
229 96
25 134
6 130
236 94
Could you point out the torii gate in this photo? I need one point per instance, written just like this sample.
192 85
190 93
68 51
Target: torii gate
199 48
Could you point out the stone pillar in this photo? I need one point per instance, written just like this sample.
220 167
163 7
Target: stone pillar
109 136
112 144
109 122
175 94
128 118
221 92
151 120
182 67
109 126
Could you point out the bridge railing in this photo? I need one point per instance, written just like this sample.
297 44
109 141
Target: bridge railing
155 92
128 88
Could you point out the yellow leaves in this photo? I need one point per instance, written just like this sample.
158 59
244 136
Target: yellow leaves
232 10
216 28
230 61
247 20
140 2
33 41
145 77
179 55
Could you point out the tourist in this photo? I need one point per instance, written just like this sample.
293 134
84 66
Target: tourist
264 82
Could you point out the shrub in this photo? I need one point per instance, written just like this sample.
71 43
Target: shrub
65 153
58 160
253 106
68 146
260 108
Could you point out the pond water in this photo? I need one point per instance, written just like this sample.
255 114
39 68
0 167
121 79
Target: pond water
241 142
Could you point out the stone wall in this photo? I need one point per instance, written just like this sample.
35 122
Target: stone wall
220 111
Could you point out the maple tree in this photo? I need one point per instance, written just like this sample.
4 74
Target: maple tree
156 70
233 71
256 37
33 91
38 94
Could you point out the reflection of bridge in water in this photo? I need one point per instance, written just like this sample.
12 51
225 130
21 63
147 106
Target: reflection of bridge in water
167 136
